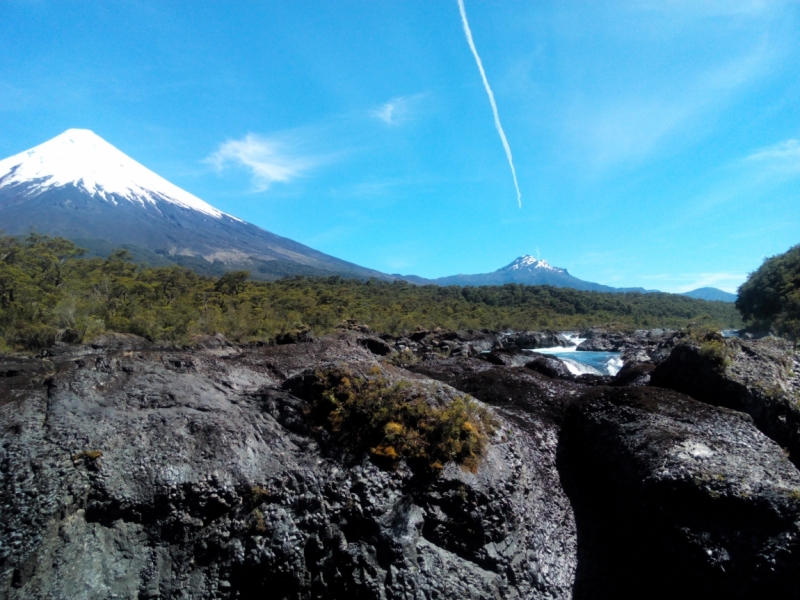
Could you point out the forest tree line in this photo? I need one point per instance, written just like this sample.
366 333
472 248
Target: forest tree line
770 298
49 292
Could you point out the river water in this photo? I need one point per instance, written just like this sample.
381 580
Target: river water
578 363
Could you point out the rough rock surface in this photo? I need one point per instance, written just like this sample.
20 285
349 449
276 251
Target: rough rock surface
531 340
134 470
516 390
193 474
509 357
550 366
634 375
757 377
647 342
678 499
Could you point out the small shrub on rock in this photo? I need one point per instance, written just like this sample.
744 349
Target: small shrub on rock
404 358
712 345
715 352
394 421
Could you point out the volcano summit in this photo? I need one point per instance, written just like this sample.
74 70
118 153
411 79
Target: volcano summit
80 187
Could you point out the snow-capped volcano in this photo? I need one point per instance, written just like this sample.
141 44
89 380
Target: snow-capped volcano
81 158
526 270
80 187
528 262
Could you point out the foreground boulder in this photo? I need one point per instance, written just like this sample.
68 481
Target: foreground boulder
678 499
321 468
158 473
760 378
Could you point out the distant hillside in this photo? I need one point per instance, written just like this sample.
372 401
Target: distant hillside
711 293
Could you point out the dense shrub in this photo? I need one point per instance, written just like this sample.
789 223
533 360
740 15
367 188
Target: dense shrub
394 421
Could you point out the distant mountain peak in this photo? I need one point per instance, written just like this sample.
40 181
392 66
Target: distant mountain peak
711 294
528 262
81 158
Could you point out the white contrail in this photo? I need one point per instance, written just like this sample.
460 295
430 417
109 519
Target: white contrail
497 124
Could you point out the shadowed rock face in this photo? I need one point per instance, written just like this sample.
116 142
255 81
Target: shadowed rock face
147 471
676 498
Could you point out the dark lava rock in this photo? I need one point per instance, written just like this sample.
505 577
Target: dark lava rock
509 357
118 342
212 342
376 346
190 474
599 344
477 340
135 470
634 375
647 341
550 366
530 340
754 377
590 379
635 356
467 342
516 389
294 337
678 499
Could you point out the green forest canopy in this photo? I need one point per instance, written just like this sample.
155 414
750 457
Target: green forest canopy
49 292
770 298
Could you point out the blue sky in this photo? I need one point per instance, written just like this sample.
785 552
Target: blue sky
656 144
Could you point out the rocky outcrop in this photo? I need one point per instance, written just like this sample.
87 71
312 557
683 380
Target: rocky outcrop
509 357
678 499
136 470
634 374
531 340
648 342
760 378
441 342
165 473
550 366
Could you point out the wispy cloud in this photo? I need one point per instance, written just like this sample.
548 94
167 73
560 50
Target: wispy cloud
622 130
782 158
268 160
741 181
397 110
713 8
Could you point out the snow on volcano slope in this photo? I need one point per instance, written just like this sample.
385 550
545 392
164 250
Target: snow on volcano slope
81 158
528 262
80 187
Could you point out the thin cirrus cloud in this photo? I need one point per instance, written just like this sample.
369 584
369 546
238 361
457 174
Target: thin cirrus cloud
268 160
644 107
398 110
782 158
628 129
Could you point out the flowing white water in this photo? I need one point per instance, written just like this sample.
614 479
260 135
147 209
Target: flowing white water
581 362
579 368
